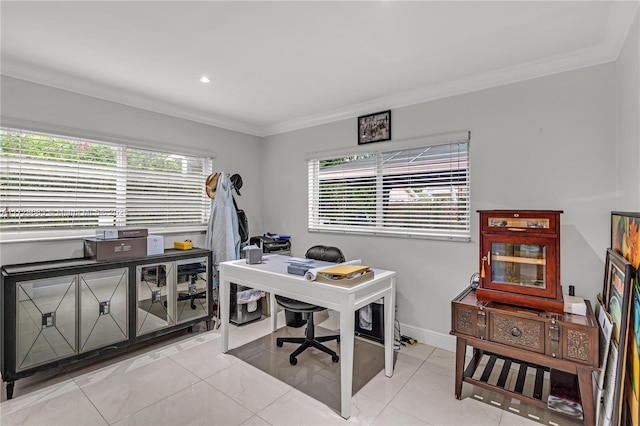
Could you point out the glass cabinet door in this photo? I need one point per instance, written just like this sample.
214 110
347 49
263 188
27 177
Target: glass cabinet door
509 264
192 298
46 311
155 308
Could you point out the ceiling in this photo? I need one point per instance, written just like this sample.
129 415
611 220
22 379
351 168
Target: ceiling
280 66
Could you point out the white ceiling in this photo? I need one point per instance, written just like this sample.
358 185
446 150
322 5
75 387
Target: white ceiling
279 66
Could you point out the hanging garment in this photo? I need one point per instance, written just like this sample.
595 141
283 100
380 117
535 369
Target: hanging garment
222 236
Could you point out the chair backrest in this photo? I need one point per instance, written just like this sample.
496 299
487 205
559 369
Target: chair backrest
325 253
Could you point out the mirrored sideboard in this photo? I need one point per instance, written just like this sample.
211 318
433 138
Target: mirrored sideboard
58 312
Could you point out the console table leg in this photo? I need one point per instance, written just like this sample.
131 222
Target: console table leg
586 394
461 350
10 386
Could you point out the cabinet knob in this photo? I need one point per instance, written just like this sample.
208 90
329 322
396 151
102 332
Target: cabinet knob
515 332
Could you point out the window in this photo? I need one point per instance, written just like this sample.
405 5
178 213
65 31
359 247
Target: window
57 182
413 192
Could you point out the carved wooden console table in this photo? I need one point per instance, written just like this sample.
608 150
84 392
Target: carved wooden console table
525 341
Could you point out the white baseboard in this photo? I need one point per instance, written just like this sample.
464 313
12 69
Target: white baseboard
429 337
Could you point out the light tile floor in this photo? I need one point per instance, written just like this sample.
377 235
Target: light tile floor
184 379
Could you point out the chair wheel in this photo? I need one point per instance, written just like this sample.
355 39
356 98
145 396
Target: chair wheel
293 361
335 358
279 343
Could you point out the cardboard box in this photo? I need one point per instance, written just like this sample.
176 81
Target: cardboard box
121 248
155 244
115 233
574 305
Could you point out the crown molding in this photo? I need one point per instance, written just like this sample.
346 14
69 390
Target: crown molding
619 23
39 75
602 53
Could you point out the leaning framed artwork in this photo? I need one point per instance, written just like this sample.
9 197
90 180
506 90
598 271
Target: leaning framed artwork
625 236
625 240
374 127
617 300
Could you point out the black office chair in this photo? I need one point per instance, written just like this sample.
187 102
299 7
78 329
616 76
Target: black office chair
328 254
192 271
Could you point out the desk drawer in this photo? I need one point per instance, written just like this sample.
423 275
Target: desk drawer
517 332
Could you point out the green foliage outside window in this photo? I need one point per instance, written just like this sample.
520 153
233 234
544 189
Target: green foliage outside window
45 147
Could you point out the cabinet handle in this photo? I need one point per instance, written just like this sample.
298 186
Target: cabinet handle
515 332
484 259
517 229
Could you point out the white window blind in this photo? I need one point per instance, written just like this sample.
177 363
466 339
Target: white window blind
57 182
414 192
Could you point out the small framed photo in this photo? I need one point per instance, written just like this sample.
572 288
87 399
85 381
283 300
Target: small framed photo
374 127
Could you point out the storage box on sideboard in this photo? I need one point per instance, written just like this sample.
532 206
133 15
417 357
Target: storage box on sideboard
115 233
121 248
155 244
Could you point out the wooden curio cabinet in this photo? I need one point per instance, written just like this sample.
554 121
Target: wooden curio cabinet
520 258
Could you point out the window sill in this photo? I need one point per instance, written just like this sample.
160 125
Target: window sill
37 236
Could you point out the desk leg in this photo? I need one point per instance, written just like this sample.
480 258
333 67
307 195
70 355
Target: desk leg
274 311
389 327
461 350
586 394
347 328
223 308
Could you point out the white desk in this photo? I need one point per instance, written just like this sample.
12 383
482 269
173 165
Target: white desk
272 276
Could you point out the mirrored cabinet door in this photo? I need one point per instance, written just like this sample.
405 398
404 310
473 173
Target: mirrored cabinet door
192 298
155 308
103 308
46 329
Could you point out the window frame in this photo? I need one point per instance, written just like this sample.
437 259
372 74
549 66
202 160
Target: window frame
380 219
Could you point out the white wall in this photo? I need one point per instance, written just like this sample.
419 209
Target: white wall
547 143
79 115
628 124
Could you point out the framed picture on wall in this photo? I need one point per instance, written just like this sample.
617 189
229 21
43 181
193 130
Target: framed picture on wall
374 127
625 240
617 300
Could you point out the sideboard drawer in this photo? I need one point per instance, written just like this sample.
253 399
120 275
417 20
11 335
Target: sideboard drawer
518 332
564 336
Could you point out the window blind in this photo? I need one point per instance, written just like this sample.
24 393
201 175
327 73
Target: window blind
56 182
415 192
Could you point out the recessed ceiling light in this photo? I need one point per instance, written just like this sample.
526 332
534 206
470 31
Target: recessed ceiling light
204 79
